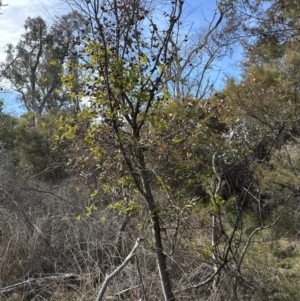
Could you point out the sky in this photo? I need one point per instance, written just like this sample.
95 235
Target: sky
13 16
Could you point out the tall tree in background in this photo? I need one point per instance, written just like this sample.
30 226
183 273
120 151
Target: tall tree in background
269 32
34 65
260 22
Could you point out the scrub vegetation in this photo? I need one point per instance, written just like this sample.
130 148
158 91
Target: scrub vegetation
130 177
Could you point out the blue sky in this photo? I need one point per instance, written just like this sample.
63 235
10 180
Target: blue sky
13 16
200 12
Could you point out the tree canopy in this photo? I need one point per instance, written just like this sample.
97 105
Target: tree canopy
34 65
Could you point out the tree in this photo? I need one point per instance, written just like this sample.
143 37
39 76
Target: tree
263 22
34 66
265 103
268 91
129 69
37 152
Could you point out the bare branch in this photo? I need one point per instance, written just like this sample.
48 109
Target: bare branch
108 278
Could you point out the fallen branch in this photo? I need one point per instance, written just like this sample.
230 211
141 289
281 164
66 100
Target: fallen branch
38 283
108 278
209 279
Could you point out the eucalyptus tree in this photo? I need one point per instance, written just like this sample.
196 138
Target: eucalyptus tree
34 66
273 23
269 89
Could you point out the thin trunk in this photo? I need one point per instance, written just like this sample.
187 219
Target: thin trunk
214 243
161 259
37 116
214 246
159 250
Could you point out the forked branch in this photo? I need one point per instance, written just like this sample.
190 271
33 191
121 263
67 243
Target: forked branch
108 278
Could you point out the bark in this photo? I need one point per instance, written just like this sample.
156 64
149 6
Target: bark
159 250
214 247
215 193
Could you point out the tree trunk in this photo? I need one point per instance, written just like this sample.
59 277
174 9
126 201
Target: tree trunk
160 255
161 258
37 118
214 250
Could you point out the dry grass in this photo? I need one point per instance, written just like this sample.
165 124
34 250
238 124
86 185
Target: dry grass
54 241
